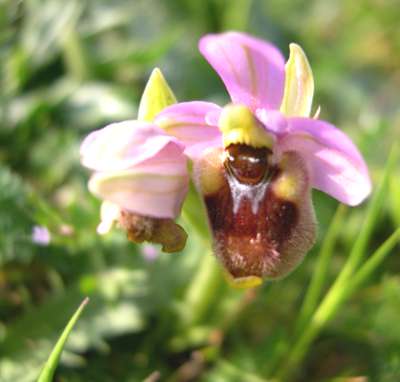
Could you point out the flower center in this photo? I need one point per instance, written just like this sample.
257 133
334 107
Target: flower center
238 125
249 165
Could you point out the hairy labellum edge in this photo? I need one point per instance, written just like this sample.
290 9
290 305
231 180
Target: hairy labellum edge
261 230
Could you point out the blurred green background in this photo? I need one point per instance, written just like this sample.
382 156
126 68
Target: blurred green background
68 67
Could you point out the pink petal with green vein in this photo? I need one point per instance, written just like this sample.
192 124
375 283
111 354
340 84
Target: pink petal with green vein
336 166
252 70
122 145
189 123
155 188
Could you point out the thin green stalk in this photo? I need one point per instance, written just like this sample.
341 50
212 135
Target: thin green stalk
206 281
194 214
375 260
319 275
201 290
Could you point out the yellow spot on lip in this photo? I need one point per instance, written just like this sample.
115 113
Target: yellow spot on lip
290 184
239 126
243 282
211 176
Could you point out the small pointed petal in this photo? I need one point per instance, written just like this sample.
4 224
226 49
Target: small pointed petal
251 69
188 122
122 145
155 188
157 95
299 84
335 164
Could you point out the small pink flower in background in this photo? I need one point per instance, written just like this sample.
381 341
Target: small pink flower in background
41 235
255 161
66 230
150 252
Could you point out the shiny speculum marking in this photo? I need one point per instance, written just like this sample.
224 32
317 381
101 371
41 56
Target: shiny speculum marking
250 223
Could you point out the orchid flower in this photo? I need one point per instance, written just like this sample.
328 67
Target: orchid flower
255 160
140 172
41 235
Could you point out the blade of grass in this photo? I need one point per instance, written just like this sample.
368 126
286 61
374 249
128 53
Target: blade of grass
49 368
234 373
202 290
319 274
375 260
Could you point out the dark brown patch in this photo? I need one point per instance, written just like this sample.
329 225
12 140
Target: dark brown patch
249 240
248 164
166 232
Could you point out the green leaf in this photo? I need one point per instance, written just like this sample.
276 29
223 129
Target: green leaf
49 368
117 306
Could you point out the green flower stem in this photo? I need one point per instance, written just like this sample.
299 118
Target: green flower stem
201 291
195 215
319 275
375 260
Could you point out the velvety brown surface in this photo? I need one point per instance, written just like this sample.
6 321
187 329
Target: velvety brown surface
166 232
257 233
247 164
248 243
